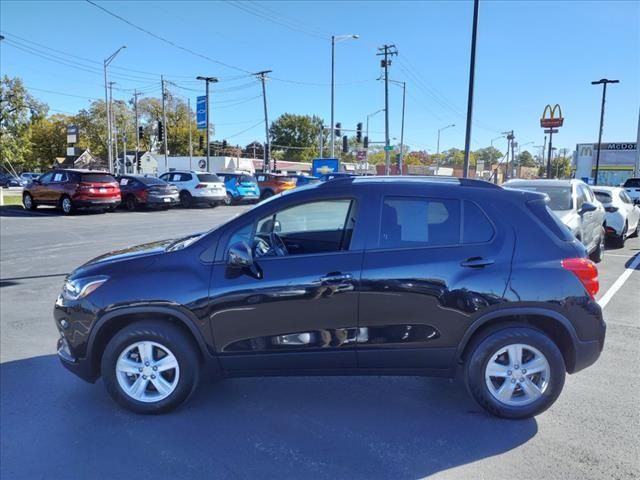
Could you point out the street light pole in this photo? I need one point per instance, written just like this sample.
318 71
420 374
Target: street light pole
367 130
106 63
333 71
472 70
604 82
207 81
438 147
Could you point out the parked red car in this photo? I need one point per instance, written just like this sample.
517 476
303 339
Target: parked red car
140 191
70 190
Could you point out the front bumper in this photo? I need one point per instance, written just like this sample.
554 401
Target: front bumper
79 366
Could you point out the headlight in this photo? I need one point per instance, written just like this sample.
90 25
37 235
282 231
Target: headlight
81 287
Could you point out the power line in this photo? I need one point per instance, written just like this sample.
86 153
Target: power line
245 130
162 39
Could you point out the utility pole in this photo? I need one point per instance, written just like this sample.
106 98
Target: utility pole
321 141
105 64
124 149
404 92
472 70
386 51
510 138
165 126
604 83
438 147
207 81
135 108
636 172
190 139
266 166
112 126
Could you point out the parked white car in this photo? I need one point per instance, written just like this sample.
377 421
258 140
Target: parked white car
632 187
622 215
197 187
576 206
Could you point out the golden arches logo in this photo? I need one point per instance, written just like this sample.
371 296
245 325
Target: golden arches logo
552 120
586 151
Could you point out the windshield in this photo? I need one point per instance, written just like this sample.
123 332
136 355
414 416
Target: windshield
247 179
208 178
632 183
559 197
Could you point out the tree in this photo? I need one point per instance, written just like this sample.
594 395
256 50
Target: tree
254 150
417 157
298 131
525 159
48 140
18 110
488 155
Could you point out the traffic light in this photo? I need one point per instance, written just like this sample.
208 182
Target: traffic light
366 142
224 144
160 131
140 132
345 144
201 142
139 162
359 133
338 127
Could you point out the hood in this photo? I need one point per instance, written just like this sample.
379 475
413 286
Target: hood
140 251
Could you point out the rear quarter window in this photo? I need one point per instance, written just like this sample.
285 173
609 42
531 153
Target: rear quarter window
477 228
549 219
603 197
208 178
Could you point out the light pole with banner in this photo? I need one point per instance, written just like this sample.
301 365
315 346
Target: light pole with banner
207 81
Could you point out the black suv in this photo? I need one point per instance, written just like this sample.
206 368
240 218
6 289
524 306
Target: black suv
371 275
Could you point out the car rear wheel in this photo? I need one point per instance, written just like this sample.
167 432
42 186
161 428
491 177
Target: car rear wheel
27 201
516 372
185 199
228 200
66 205
150 367
130 203
598 253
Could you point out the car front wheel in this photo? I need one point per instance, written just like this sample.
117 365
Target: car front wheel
150 367
516 372
66 205
27 201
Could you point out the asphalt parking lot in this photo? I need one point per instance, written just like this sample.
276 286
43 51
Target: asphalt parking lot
55 426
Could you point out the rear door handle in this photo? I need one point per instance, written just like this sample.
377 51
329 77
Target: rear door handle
477 262
336 278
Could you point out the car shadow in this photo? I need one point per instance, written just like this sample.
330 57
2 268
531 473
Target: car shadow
18 211
629 262
56 426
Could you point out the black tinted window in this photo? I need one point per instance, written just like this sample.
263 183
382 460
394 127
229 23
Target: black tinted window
151 181
477 227
416 222
97 178
208 177
632 183
603 197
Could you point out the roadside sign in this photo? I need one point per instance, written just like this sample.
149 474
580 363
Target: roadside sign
202 164
361 155
551 130
201 112
324 166
72 134
388 148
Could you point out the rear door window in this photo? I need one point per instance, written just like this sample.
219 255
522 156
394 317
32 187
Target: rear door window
419 222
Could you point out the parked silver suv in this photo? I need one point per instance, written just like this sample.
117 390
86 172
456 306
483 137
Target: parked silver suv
197 188
576 206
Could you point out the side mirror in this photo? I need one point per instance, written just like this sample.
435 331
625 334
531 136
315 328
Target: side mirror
587 207
240 256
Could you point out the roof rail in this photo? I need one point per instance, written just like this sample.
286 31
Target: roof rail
465 182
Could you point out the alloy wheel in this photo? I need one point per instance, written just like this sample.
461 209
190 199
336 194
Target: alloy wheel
147 371
28 202
517 374
66 205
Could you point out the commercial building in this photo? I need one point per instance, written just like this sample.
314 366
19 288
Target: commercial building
617 162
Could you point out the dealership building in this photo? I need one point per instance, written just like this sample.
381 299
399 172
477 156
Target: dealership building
618 161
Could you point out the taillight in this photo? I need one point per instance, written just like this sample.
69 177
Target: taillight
85 187
586 271
611 209
201 185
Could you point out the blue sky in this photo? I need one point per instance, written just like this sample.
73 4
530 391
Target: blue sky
529 54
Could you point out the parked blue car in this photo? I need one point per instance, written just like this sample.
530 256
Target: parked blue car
305 180
241 187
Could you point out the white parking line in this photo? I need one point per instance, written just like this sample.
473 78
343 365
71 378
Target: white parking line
619 282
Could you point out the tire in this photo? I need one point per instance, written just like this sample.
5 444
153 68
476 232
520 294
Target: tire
266 194
517 402
158 337
635 232
228 200
619 240
598 253
213 204
66 205
130 203
185 199
28 202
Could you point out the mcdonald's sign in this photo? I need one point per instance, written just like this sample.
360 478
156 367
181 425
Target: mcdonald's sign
553 120
586 151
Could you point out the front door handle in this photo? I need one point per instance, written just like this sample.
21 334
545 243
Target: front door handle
477 262
336 278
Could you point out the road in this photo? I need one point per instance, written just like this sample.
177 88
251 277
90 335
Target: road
55 426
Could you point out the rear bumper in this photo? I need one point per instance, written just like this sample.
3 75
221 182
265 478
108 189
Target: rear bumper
160 201
207 200
97 203
587 352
